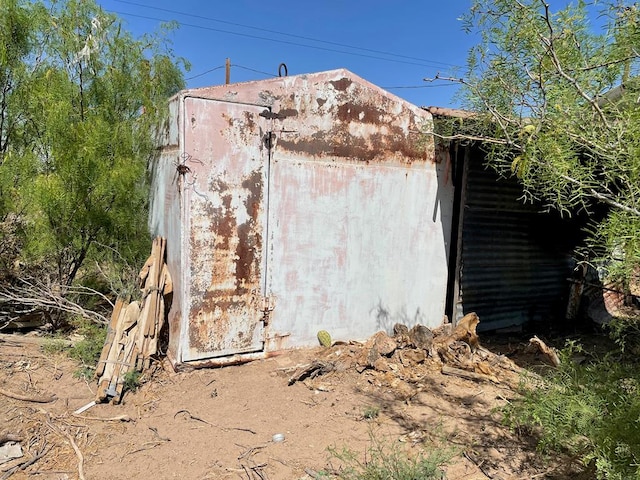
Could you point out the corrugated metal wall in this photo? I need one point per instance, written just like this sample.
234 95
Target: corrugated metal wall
514 259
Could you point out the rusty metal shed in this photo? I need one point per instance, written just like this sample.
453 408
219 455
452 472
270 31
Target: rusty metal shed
298 204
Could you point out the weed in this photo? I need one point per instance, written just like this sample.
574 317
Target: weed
371 412
131 380
88 350
590 411
390 461
84 373
54 346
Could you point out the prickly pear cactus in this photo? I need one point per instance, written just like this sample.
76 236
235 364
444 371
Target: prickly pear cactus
324 338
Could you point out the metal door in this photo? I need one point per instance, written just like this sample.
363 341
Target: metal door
225 160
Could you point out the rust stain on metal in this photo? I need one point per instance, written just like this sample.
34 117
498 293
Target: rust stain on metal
225 238
341 85
288 112
375 146
354 123
354 112
298 138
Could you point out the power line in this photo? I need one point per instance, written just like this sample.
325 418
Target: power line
253 70
423 86
302 37
233 65
204 73
315 47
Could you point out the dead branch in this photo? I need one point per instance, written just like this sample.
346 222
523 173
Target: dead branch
22 340
224 429
25 398
160 437
250 451
79 455
73 444
547 351
316 369
28 463
478 463
119 418
192 417
145 446
37 295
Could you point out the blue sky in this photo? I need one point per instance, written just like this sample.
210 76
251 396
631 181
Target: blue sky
399 42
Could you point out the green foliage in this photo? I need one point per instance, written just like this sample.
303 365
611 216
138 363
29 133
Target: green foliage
389 461
81 100
546 86
55 346
83 373
371 412
131 380
88 350
591 412
625 331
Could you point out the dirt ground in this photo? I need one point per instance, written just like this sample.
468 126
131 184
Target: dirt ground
220 423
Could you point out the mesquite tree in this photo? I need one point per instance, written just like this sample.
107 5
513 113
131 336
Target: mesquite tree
557 104
80 100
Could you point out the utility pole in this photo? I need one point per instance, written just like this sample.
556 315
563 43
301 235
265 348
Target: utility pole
227 77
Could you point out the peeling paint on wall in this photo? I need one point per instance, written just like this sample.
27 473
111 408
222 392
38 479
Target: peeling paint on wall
310 202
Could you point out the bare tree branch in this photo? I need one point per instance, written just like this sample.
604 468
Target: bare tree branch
37 296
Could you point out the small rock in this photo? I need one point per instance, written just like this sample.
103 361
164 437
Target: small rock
384 344
402 389
400 329
412 357
381 365
421 337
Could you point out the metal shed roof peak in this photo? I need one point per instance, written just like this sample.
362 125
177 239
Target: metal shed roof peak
340 78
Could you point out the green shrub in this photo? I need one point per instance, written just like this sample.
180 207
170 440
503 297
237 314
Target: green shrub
389 462
131 380
88 350
371 412
55 345
589 411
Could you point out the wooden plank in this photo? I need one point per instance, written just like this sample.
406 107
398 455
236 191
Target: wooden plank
112 357
111 332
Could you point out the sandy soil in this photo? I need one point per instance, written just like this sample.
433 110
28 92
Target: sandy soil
219 423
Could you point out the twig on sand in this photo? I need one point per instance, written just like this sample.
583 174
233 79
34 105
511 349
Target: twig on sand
73 444
119 418
26 398
28 463
145 446
478 463
250 451
224 429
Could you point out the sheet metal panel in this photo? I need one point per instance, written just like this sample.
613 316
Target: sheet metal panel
166 215
224 186
372 253
359 213
515 259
